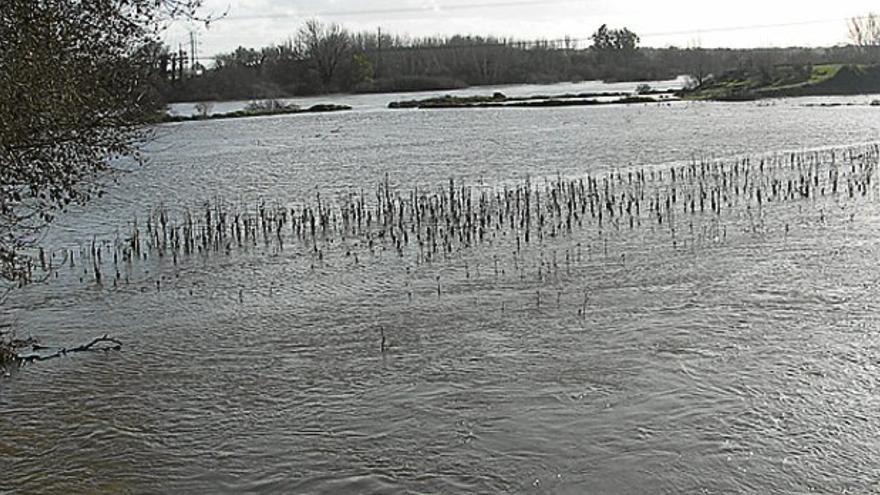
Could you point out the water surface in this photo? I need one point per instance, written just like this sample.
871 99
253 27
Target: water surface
738 363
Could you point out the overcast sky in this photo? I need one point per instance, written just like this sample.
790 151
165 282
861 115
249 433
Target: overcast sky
709 23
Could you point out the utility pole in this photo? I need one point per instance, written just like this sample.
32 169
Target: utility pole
181 57
173 73
378 70
192 49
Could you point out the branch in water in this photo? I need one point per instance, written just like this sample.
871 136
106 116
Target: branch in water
90 347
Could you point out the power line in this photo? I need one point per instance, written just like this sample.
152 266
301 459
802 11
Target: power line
748 28
439 8
399 10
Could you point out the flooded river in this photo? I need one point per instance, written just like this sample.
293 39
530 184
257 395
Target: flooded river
738 353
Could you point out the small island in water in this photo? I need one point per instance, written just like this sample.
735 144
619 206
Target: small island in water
734 85
253 109
643 94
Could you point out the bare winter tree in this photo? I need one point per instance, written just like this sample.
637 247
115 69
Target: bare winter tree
74 94
865 31
699 62
325 45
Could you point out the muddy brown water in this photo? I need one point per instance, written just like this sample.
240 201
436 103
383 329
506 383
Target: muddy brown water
746 362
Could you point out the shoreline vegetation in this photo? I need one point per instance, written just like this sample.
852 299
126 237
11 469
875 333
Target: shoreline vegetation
789 81
500 100
262 108
872 103
737 85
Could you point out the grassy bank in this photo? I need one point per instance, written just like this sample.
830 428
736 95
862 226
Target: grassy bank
789 81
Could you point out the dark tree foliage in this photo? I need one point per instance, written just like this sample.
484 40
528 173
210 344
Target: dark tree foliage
325 58
614 40
614 49
74 93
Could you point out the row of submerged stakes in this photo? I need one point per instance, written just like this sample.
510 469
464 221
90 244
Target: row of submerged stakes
531 228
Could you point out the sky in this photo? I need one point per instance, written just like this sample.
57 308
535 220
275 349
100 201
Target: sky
683 23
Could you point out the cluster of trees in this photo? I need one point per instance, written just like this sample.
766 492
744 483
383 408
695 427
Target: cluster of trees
324 58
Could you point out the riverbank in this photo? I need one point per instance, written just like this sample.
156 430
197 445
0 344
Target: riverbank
789 81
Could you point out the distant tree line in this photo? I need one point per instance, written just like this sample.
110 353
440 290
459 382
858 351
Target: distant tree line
324 58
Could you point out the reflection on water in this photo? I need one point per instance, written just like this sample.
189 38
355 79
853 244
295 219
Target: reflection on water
737 361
